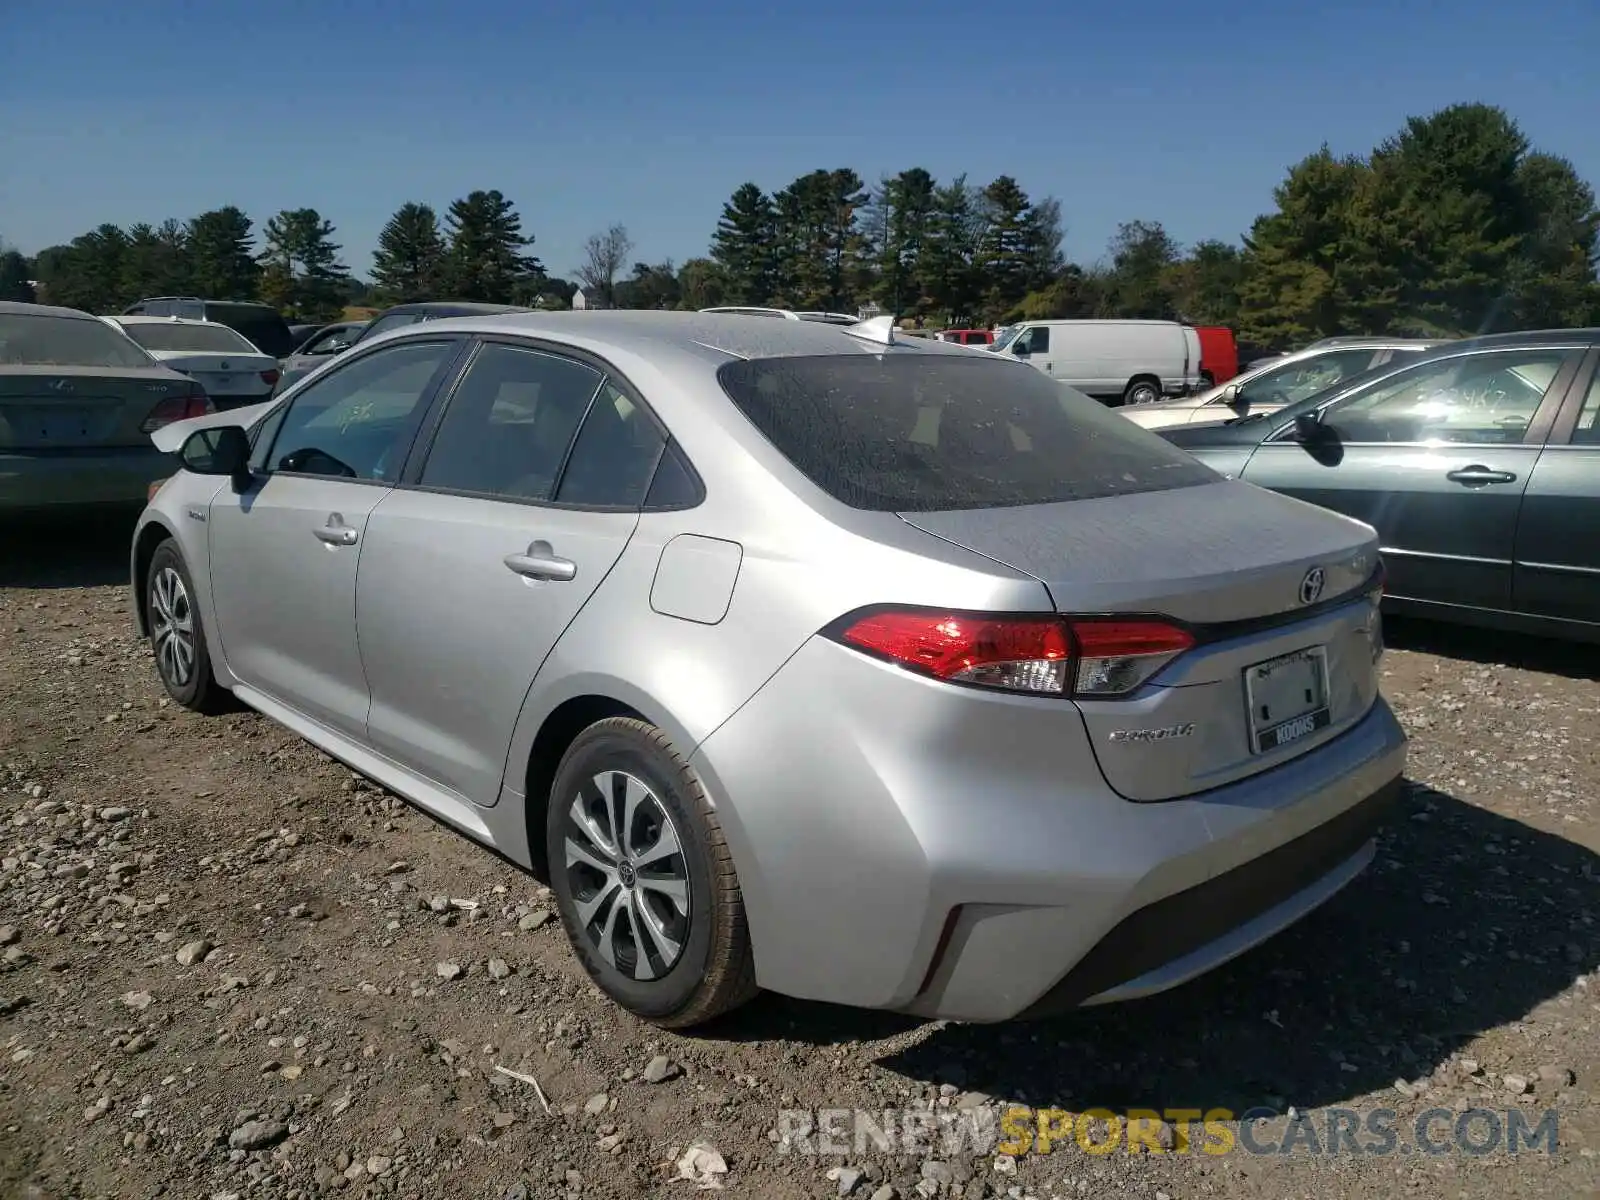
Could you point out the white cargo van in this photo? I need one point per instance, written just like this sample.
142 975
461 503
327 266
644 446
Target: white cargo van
1122 362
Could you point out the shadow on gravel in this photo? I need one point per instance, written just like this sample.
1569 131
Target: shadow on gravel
1465 922
89 550
1575 660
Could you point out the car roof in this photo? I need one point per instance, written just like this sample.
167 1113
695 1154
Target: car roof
705 336
19 308
1530 337
144 319
455 307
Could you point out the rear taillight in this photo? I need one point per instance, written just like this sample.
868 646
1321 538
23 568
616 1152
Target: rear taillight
178 408
269 377
1083 657
155 486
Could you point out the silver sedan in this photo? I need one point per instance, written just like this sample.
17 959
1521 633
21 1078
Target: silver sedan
793 655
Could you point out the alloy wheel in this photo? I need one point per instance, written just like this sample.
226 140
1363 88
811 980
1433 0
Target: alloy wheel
172 627
627 875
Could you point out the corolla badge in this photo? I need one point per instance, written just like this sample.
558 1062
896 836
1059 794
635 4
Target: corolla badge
1311 586
1166 733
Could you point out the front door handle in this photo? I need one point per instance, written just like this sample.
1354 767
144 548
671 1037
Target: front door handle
336 532
1477 476
541 562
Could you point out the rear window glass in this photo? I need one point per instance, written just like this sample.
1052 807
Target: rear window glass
211 338
65 341
263 327
916 432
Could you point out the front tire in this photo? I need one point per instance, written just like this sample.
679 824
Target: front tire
644 880
177 635
1142 391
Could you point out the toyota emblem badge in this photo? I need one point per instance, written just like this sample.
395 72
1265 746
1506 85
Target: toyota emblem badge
1311 586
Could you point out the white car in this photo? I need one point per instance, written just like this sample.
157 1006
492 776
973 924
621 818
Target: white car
233 372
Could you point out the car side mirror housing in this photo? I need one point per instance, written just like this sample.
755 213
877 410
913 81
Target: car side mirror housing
1233 397
1308 427
219 450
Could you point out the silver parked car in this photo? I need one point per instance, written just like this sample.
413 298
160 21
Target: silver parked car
793 655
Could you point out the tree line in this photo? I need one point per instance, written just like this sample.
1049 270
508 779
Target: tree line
1454 225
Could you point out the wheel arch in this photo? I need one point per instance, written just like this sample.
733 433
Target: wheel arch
559 729
150 535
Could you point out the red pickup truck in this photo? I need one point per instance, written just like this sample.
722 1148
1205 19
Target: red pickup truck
1219 354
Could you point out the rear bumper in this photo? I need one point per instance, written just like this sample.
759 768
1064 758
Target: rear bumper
906 845
66 479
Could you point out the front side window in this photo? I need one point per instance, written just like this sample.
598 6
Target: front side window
510 423
1305 377
916 432
209 338
330 343
358 421
1472 398
1035 340
29 340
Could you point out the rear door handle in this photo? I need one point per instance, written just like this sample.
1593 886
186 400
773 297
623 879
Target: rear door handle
336 532
541 562
1477 476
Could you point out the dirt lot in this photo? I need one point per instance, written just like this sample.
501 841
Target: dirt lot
233 970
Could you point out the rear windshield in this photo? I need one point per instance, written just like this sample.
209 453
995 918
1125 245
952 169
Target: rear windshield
262 326
210 338
914 432
31 340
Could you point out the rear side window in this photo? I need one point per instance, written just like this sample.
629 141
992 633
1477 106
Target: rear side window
392 321
917 432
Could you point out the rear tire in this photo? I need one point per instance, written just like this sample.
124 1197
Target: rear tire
1142 391
650 899
178 636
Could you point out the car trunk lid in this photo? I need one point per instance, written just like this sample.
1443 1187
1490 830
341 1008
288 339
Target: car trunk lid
1279 595
81 408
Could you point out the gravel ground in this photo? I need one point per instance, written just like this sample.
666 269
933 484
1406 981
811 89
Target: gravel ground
232 969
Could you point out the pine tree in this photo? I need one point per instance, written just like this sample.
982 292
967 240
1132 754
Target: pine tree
486 242
901 217
302 275
409 262
156 262
948 268
743 247
222 262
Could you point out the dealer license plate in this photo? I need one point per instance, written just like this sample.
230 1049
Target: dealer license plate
1288 698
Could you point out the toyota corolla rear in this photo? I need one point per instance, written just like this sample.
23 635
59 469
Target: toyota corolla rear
1166 746
78 402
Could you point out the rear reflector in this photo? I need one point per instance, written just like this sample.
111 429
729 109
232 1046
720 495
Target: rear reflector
178 408
1083 657
269 377
154 488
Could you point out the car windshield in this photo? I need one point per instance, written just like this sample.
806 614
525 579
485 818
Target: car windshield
1004 337
392 321
38 340
923 432
208 338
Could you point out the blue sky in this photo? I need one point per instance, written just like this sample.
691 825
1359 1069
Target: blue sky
650 114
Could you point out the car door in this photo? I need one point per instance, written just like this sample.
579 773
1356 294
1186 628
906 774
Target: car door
284 552
1557 571
473 567
1436 458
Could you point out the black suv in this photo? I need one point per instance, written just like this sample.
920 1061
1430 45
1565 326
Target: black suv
260 324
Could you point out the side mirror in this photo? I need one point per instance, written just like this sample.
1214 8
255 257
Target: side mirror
220 450
1308 427
1233 398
